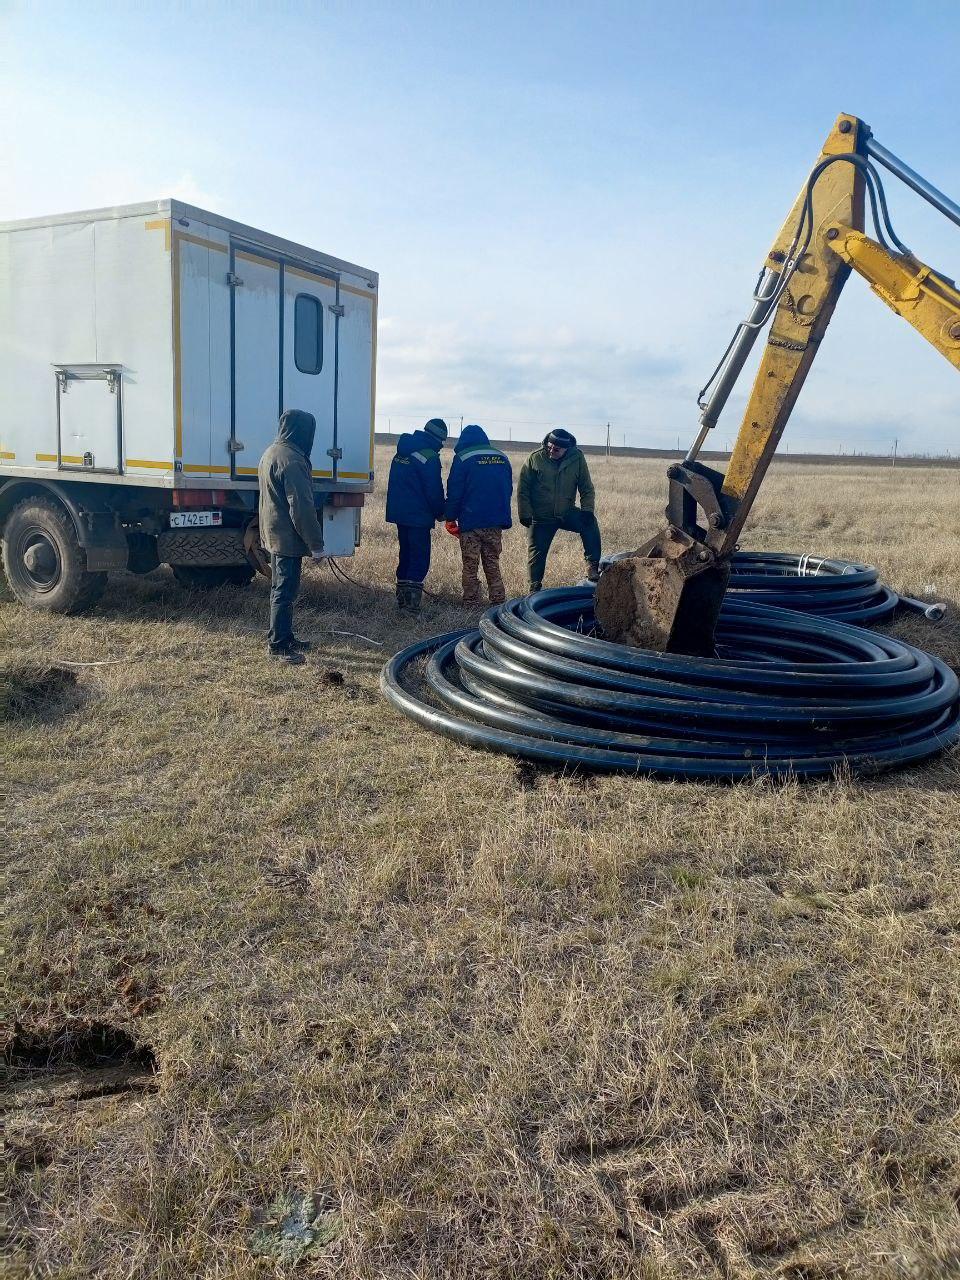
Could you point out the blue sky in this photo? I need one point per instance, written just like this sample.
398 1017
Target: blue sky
567 203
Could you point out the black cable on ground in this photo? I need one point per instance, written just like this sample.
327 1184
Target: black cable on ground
788 695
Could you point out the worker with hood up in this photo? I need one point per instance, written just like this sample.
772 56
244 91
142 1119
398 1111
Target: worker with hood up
289 525
550 480
414 504
479 490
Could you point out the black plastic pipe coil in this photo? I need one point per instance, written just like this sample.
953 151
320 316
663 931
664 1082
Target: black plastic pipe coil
832 588
789 694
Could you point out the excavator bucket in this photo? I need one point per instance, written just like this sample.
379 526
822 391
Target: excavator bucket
666 596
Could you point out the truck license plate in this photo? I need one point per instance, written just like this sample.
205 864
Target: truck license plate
194 519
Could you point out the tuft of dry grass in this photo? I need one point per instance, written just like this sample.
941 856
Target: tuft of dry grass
484 1019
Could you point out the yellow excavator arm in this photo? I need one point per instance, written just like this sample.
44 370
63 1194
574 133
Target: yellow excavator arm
667 595
924 298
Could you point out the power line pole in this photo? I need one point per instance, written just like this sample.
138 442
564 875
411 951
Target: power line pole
893 461
608 439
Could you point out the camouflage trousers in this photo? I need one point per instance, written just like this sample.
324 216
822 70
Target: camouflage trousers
482 546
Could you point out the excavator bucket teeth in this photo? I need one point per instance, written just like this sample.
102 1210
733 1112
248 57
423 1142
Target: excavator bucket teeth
667 599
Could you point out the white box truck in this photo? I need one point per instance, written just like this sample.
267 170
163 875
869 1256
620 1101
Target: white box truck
146 354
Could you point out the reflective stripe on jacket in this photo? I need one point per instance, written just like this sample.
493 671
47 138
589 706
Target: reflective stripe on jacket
480 484
415 488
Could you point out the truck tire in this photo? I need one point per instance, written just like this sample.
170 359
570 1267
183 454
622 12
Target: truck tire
45 566
224 575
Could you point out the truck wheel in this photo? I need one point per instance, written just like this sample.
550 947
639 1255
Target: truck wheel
45 565
221 575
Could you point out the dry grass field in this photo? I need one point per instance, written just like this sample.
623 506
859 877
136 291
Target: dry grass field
466 1018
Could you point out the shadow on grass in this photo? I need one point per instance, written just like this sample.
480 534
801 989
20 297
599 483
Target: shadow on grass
32 693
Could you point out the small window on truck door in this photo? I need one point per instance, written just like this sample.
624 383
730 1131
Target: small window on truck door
307 333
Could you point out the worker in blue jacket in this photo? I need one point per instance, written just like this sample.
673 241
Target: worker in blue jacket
415 502
479 490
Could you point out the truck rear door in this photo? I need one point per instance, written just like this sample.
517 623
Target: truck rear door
283 354
310 332
356 352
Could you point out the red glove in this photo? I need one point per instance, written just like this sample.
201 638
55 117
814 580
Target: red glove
452 528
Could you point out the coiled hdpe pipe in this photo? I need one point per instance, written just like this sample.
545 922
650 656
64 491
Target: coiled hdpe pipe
839 589
789 694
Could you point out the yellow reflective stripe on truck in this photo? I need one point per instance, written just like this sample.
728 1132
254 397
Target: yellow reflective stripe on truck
255 257
204 244
177 359
373 381
319 475
160 224
311 275
147 463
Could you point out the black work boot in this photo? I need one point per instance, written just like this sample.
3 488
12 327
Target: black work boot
288 654
535 586
408 597
593 571
301 646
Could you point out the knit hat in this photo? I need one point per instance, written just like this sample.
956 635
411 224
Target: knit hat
562 439
437 428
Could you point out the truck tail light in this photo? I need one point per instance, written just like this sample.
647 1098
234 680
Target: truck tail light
187 498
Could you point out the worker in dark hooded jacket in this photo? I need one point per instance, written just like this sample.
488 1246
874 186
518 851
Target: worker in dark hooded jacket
415 502
550 480
289 525
479 489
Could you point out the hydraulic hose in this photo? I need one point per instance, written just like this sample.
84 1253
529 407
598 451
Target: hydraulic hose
789 694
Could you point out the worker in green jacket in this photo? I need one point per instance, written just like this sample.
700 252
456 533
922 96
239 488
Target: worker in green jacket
290 527
550 480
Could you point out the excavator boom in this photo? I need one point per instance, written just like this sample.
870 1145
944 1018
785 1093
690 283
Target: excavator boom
667 594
